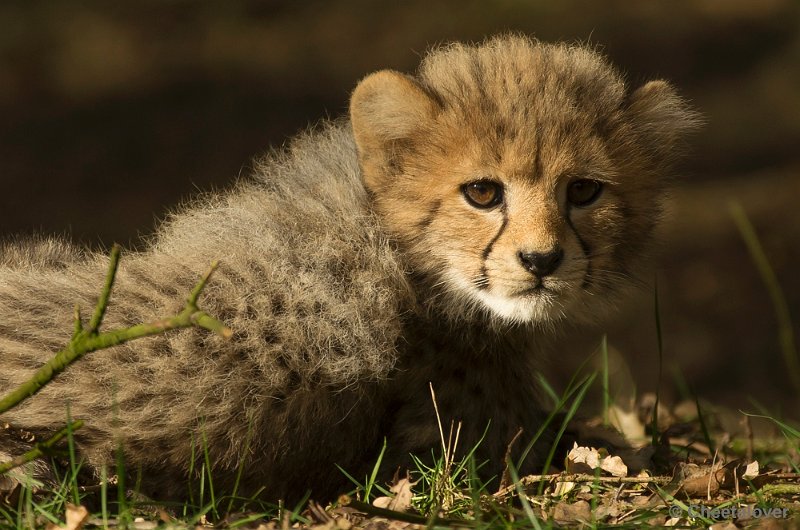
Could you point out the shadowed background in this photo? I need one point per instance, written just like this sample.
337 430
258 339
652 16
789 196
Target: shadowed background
111 113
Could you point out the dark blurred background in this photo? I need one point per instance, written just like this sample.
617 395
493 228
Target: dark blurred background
112 112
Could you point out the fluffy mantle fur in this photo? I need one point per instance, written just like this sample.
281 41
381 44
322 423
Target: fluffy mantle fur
354 272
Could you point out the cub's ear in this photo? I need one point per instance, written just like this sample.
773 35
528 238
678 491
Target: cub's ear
385 107
661 119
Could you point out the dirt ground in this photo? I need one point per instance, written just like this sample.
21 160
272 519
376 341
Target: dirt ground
113 112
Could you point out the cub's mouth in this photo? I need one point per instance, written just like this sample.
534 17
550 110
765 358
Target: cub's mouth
539 302
550 286
538 289
544 292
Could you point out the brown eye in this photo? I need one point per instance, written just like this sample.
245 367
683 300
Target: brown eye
583 192
483 193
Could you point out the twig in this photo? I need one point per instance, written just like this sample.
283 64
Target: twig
505 478
782 476
89 339
582 477
40 449
105 294
369 509
780 489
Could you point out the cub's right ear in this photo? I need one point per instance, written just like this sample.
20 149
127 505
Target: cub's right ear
661 119
385 107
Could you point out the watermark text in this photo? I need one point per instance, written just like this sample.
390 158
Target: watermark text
728 512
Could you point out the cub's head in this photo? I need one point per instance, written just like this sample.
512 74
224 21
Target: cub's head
522 180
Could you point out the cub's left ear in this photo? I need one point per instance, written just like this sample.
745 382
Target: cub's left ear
386 107
661 119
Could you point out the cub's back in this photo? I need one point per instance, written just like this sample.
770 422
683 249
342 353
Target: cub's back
312 289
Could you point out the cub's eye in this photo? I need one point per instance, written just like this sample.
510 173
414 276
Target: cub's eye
483 193
583 192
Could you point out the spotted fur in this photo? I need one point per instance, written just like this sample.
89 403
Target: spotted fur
354 272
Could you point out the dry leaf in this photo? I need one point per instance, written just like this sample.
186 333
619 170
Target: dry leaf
376 524
606 511
588 459
382 502
343 524
614 465
9 490
76 516
7 483
402 495
626 422
329 525
751 471
705 483
562 488
572 513
401 501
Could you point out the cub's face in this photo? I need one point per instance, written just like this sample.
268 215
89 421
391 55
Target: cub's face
520 179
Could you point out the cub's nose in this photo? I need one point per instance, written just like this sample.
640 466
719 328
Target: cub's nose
542 263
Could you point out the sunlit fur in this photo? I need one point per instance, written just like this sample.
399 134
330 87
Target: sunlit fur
532 117
354 273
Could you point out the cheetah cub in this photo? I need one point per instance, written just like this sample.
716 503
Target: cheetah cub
444 234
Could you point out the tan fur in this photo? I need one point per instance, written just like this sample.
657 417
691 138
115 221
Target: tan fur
354 272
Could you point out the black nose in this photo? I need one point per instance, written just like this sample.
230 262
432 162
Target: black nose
542 263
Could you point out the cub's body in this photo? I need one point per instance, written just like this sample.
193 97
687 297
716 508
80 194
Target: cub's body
311 287
438 237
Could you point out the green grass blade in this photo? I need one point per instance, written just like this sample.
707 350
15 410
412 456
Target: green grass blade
523 498
770 279
298 509
787 429
572 388
471 454
209 472
350 477
704 426
104 495
582 389
194 521
73 465
374 476
660 338
239 472
605 388
548 389
122 498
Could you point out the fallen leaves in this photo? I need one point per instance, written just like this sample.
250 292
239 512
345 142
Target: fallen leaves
401 501
76 517
577 512
589 459
608 480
